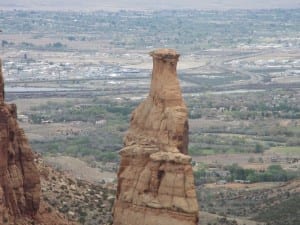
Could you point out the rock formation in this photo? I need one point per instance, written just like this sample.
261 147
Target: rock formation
19 177
155 178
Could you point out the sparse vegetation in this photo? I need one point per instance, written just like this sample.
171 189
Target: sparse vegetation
78 200
270 203
285 212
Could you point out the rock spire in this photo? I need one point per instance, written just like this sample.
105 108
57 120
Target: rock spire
155 178
19 177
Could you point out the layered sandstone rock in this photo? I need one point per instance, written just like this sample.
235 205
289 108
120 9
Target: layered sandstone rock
19 177
155 179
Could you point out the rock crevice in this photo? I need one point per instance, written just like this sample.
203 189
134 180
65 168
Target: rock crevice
155 178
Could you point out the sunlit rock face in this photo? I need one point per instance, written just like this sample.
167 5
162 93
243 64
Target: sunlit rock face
19 177
155 179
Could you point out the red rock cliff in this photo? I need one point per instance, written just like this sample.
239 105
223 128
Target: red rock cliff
19 177
155 179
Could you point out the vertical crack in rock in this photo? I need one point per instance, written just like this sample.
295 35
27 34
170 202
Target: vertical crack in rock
19 177
155 178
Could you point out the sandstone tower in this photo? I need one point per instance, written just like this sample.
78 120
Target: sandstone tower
19 177
155 179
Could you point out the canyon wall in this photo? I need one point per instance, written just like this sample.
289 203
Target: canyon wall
19 177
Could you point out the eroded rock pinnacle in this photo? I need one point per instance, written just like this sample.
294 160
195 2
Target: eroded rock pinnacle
155 179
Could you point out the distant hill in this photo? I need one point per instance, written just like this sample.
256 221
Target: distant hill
90 5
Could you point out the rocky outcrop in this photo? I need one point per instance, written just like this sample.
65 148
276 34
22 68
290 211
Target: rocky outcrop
155 178
19 178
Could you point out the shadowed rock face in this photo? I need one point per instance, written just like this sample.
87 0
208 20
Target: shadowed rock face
155 179
19 177
1 85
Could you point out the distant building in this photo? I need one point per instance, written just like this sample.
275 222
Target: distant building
242 181
221 182
46 121
100 122
23 118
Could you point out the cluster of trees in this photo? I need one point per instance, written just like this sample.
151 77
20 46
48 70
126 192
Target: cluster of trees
83 147
273 173
69 111
207 144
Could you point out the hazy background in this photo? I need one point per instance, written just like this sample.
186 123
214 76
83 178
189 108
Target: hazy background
146 5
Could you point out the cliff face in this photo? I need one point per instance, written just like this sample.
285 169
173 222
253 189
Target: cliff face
19 177
155 179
